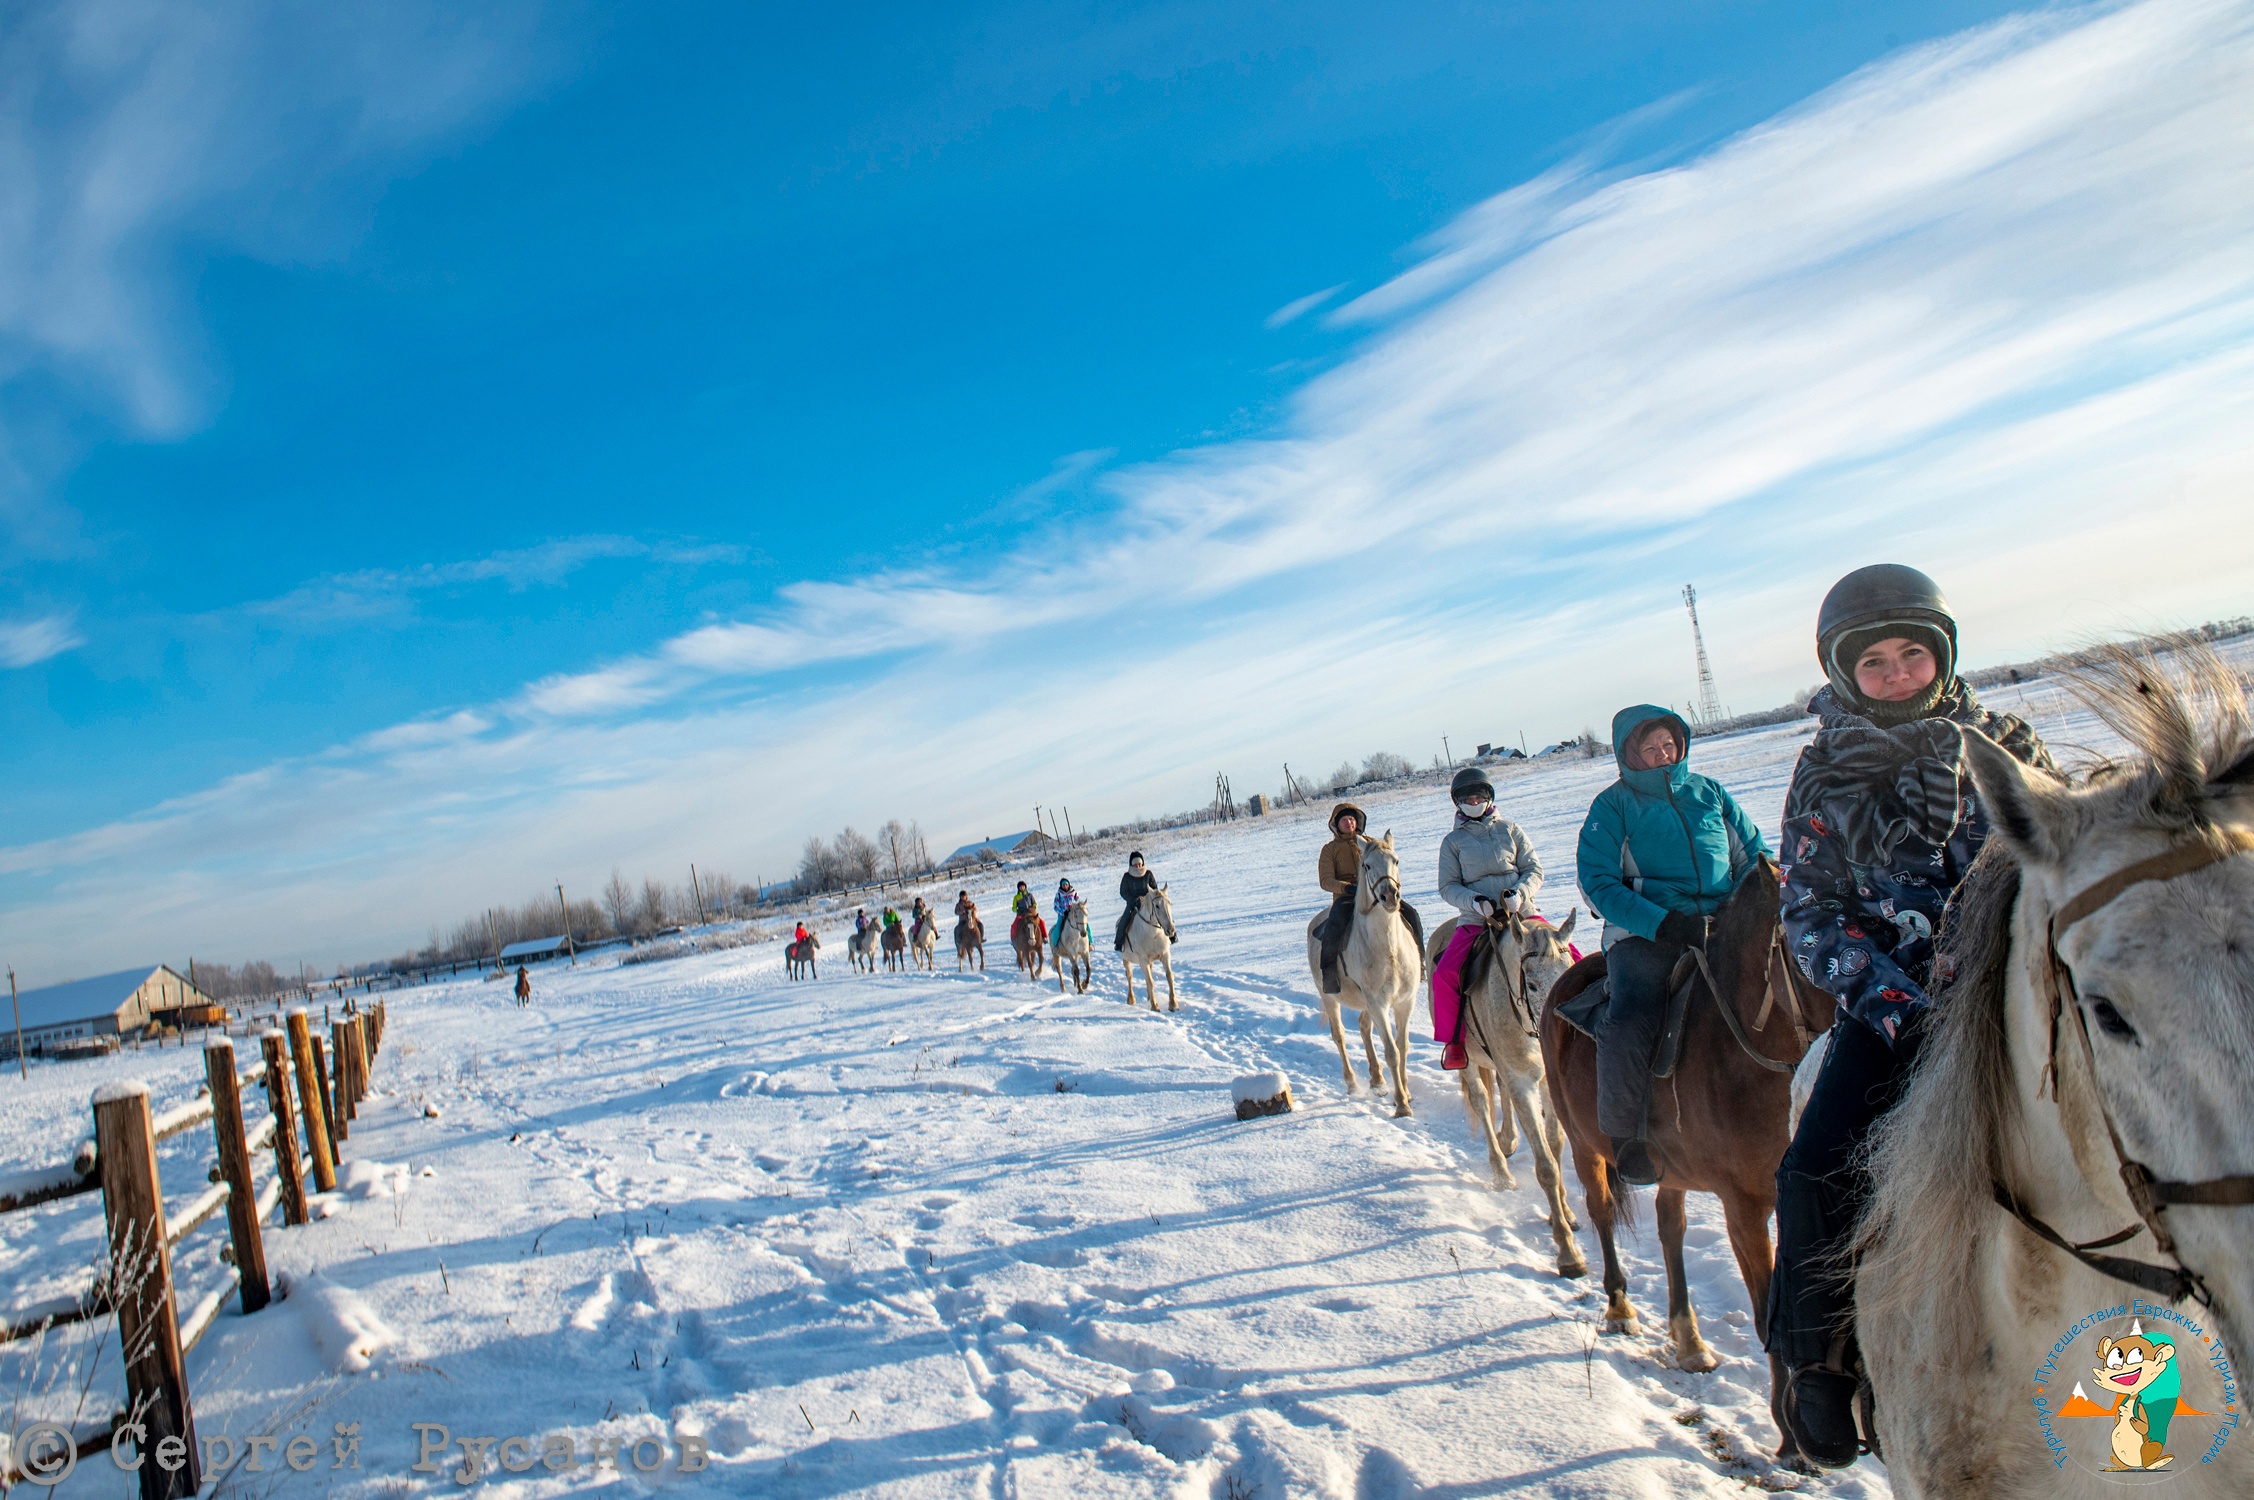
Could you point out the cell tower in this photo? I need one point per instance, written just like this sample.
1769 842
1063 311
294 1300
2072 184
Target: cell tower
1709 698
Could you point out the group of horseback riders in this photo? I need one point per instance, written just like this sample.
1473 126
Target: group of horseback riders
1881 824
1138 881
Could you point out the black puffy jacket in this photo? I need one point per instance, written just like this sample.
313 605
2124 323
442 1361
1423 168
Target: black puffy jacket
1880 826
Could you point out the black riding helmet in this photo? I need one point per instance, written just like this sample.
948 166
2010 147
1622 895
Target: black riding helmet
1470 779
1873 604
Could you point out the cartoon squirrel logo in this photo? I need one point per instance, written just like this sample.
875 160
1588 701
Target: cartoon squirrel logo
2141 1370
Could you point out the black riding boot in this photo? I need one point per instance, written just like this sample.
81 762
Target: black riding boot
1636 971
1416 927
1821 1192
1119 933
1331 937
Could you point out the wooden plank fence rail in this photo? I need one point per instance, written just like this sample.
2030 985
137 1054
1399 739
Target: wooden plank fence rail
121 1161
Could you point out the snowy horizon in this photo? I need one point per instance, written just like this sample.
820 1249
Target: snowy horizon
302 682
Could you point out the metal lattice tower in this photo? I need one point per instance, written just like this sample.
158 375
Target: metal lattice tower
1709 697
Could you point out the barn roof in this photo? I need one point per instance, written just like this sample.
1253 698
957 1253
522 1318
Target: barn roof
1001 848
86 999
535 948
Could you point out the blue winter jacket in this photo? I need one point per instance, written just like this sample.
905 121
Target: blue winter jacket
1689 839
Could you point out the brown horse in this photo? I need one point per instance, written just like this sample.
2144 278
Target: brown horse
970 937
895 947
1029 935
1719 1123
799 958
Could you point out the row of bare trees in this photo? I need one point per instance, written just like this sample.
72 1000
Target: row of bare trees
896 852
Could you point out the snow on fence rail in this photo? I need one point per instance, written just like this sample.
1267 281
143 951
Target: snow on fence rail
121 1163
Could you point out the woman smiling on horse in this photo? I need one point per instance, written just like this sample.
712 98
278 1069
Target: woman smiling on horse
1661 852
1338 870
1880 825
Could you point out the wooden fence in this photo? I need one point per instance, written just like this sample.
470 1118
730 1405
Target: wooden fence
120 1162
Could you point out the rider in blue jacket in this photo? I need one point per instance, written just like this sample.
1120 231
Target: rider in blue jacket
1661 851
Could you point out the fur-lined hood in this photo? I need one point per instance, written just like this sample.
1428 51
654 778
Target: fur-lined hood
1342 810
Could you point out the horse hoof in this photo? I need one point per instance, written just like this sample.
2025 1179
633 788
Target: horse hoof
1626 1327
1572 1267
1698 1361
1402 1112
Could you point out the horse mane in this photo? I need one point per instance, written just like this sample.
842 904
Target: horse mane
1934 1158
2185 717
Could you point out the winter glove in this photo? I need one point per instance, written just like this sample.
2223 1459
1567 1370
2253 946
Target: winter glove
1484 907
1677 930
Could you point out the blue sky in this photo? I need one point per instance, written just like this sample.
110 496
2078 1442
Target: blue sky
438 457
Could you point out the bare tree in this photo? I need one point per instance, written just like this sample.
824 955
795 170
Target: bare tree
857 856
1342 778
618 902
1384 765
817 866
654 906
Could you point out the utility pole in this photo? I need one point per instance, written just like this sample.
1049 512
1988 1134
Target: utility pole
18 1004
694 890
1450 753
1709 697
1068 833
566 907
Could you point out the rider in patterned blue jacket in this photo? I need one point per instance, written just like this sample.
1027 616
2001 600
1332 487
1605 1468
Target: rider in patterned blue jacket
1880 825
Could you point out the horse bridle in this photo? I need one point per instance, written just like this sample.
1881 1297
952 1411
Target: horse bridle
1777 974
2148 1194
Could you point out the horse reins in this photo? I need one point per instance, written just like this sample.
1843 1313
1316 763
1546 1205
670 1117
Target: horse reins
1773 963
2148 1194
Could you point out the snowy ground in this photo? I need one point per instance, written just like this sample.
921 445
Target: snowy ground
956 1234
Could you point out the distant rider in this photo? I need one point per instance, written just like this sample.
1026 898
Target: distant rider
524 984
802 934
1661 851
891 918
1486 863
1065 896
1138 882
860 919
1880 825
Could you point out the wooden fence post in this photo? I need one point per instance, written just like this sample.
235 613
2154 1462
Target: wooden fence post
148 1322
310 1103
340 1079
273 1048
363 1052
234 1169
329 1118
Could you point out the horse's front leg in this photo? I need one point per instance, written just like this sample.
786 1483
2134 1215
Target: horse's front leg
1526 1099
1398 1056
1338 1037
1473 1082
1691 1352
1166 960
1596 1192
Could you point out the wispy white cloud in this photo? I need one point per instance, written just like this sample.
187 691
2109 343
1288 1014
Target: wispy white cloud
127 125
372 593
1299 307
25 643
1984 306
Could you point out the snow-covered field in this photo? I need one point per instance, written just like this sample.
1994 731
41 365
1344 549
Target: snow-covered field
955 1234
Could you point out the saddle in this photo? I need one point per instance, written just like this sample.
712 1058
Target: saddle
1585 1013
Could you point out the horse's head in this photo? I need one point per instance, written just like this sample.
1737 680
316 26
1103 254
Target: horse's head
2134 972
1381 873
1157 908
1547 952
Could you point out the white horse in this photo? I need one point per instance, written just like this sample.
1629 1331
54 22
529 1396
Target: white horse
1148 944
1072 947
1378 971
1502 1037
2098 1032
924 938
861 948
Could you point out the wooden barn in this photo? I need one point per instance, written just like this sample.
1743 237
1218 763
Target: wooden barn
111 1005
994 851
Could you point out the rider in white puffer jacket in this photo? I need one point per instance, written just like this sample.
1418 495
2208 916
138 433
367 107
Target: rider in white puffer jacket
1487 857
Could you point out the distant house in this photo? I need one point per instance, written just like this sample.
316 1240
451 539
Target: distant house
110 1005
994 851
532 950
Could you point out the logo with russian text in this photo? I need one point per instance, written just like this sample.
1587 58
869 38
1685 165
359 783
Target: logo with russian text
2136 1394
